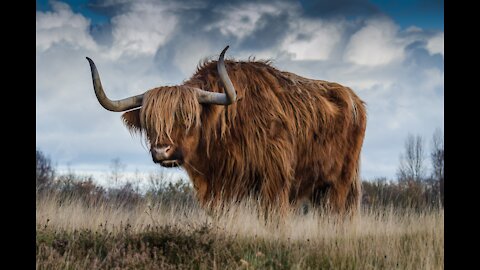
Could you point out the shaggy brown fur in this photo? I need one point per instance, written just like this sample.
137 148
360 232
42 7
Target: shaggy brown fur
285 139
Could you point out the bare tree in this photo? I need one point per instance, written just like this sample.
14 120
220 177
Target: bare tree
116 173
437 156
412 166
157 181
45 171
136 180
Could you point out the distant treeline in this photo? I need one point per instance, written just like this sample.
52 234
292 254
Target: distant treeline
72 186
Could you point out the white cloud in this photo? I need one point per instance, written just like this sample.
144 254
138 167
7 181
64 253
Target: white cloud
375 44
62 25
240 21
435 44
142 29
189 55
434 79
320 38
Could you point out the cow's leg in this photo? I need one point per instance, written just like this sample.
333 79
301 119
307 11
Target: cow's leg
318 198
201 188
275 206
337 199
209 201
343 199
277 175
275 197
330 198
354 197
351 190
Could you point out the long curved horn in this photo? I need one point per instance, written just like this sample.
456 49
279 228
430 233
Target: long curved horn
112 105
230 94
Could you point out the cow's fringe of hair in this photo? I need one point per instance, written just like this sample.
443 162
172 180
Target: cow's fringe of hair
164 108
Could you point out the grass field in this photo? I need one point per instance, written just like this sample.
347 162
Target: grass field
74 235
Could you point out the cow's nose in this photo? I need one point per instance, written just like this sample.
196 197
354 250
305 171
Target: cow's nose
161 153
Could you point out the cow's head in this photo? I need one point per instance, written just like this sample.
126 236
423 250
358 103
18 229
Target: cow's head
169 116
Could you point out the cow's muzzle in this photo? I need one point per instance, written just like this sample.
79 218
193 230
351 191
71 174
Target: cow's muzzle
166 156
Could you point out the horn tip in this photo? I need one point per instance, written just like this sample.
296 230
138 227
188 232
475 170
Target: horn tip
89 60
224 50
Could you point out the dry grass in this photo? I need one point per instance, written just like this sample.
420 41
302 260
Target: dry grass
73 235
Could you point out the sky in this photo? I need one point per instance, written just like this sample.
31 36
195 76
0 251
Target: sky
391 53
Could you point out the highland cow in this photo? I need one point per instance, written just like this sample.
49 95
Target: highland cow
244 128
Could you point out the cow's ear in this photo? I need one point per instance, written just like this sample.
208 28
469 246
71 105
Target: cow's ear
131 119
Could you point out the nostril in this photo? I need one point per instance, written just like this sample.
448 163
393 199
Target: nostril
163 152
